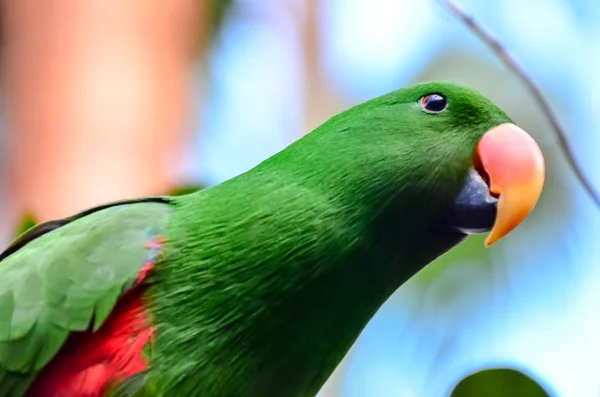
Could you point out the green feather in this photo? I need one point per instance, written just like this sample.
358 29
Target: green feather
58 281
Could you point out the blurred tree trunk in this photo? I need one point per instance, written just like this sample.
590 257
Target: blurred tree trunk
315 94
321 103
96 95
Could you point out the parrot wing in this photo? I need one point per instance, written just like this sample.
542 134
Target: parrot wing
66 276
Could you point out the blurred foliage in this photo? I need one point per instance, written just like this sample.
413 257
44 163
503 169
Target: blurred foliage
186 189
501 382
218 10
27 222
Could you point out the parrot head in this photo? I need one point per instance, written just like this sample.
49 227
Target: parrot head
502 166
506 171
429 155
505 166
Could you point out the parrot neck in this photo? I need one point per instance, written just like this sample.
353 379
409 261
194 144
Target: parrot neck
268 283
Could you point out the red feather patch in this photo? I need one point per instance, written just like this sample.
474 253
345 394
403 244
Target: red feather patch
89 363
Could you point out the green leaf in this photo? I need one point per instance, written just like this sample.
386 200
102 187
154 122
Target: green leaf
500 382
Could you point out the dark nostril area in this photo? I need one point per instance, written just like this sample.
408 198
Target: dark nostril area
478 166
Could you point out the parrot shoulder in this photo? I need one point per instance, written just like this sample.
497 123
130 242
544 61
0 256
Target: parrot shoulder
62 280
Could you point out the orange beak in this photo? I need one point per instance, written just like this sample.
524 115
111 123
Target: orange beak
515 166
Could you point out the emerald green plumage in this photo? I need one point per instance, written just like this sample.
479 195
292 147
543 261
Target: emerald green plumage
267 279
65 281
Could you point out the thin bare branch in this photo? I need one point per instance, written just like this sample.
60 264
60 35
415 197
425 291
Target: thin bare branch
487 37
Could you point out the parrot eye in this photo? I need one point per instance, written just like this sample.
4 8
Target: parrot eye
434 103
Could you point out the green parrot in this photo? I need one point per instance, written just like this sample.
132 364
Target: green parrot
259 286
